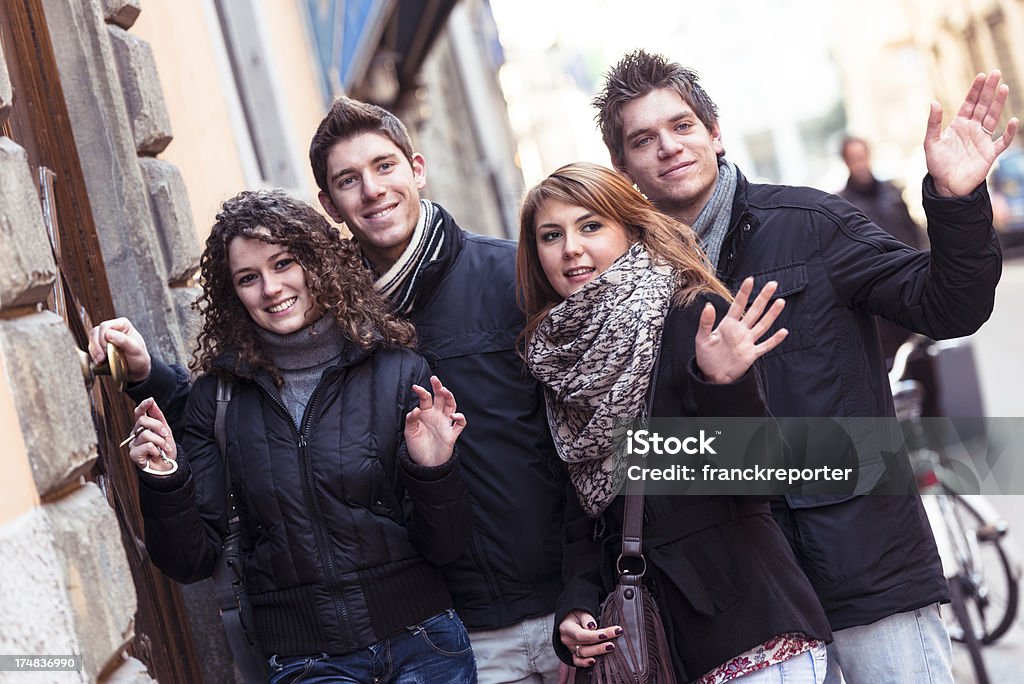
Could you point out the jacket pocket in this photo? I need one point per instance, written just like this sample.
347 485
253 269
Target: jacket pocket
792 280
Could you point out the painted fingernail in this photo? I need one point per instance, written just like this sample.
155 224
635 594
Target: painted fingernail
591 625
602 635
618 631
609 647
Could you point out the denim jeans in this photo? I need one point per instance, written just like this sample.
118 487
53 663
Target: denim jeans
518 654
910 648
807 668
436 650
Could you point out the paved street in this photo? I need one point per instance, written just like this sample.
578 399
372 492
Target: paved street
998 355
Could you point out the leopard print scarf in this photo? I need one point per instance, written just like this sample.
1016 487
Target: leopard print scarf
594 354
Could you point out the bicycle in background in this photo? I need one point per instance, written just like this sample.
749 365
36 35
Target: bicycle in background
971 537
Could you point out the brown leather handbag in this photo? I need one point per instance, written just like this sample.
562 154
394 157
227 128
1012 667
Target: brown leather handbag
641 654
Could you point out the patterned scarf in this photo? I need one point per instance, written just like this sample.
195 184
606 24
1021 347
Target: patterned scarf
404 279
713 222
594 353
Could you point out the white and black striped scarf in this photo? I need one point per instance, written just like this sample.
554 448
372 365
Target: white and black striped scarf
403 280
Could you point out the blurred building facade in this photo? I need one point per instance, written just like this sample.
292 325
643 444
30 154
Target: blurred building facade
894 58
123 125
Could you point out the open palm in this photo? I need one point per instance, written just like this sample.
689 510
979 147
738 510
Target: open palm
725 353
960 157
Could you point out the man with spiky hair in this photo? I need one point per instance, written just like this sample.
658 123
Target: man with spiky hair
871 559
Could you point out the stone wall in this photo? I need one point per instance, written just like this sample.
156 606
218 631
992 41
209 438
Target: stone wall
65 584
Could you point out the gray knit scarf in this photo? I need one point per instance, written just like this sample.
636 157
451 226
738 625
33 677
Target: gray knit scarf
594 353
713 222
400 283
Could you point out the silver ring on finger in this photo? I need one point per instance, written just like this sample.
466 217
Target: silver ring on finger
578 651
990 133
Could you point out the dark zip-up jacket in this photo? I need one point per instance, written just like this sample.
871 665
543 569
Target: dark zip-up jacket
467 327
868 557
342 533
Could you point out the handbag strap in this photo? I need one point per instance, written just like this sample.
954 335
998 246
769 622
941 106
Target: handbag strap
224 386
633 518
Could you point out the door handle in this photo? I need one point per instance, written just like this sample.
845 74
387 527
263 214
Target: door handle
114 366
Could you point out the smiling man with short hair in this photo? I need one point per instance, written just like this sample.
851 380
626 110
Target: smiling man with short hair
458 288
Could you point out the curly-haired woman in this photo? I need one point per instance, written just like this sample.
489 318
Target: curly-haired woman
344 519
621 305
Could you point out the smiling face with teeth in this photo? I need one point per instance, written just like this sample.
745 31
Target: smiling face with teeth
271 285
374 189
575 245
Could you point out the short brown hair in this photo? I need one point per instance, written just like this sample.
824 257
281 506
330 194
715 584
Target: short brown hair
637 74
347 119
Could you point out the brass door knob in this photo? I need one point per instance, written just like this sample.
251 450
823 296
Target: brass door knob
114 366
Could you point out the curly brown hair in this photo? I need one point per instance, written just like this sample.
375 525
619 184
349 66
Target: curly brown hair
334 271
608 194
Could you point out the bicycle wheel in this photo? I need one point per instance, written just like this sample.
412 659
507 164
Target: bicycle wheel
957 602
991 594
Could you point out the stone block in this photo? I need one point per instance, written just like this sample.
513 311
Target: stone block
172 216
51 401
189 320
99 581
110 167
131 671
121 12
143 96
6 93
26 258
35 611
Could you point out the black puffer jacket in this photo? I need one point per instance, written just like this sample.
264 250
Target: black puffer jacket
867 557
343 532
467 323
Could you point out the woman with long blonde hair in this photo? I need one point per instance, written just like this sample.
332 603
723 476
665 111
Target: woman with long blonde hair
621 306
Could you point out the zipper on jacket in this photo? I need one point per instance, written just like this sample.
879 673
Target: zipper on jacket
316 516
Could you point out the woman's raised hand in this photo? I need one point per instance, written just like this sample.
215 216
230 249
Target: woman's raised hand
151 444
432 427
725 353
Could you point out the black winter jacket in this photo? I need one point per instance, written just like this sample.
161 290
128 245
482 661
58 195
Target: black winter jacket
724 578
467 327
867 557
343 533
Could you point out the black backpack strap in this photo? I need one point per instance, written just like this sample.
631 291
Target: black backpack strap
227 574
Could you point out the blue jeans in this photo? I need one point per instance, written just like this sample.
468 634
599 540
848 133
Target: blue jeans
910 648
435 651
807 668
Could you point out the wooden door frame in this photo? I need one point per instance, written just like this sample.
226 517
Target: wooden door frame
39 122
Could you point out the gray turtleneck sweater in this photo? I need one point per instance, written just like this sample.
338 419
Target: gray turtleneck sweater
302 357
